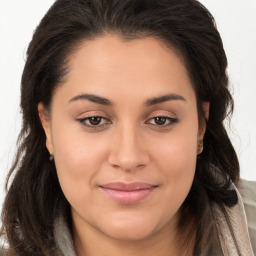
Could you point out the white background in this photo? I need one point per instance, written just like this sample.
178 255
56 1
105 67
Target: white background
236 21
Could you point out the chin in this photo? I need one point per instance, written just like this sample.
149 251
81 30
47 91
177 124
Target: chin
130 229
131 234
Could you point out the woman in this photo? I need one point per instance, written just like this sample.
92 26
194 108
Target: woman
123 149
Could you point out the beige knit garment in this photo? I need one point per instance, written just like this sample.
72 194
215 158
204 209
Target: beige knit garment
234 238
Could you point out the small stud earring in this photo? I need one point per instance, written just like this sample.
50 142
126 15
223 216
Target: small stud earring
51 157
200 148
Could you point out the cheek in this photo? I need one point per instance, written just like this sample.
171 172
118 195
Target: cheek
74 148
78 159
176 160
177 152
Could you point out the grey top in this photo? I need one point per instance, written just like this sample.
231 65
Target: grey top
243 222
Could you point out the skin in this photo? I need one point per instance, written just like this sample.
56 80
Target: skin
129 144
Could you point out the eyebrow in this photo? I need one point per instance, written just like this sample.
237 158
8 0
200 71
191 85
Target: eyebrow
164 98
92 98
149 102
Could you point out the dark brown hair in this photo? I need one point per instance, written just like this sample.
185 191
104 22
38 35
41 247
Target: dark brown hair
34 196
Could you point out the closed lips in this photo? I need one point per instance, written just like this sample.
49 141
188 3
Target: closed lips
128 193
128 186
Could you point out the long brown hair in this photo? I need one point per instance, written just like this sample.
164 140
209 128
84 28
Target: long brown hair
34 196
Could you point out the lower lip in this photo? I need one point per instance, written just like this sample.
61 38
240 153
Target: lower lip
128 197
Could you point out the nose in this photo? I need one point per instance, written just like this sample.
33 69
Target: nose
128 149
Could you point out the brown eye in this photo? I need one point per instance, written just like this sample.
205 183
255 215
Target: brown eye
96 120
160 120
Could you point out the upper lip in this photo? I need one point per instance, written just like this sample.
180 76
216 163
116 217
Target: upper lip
128 186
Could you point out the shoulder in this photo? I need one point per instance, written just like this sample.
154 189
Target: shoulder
247 189
2 251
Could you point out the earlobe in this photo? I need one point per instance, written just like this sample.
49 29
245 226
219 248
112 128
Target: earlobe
46 124
206 109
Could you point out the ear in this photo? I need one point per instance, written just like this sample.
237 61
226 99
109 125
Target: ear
206 109
202 128
46 124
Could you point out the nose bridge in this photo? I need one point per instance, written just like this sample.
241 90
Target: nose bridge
127 151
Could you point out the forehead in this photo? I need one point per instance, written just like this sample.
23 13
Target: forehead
140 66
112 50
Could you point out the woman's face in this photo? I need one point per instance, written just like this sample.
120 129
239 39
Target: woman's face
124 132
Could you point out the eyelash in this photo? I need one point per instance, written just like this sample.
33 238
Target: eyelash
171 121
91 126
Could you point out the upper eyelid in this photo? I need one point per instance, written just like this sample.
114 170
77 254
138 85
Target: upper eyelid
167 117
89 114
153 114
162 114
